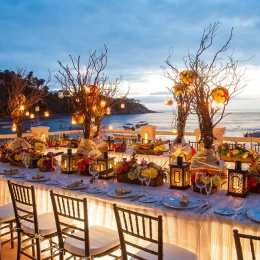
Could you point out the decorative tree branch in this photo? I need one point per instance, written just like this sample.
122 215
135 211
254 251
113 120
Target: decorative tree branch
89 89
22 90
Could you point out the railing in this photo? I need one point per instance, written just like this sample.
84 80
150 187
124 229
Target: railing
249 141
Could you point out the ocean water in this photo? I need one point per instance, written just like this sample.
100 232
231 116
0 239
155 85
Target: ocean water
237 123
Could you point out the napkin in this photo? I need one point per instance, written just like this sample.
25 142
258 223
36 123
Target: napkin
75 184
38 176
11 170
184 201
122 191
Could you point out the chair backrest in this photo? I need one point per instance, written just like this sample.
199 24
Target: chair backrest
68 210
146 229
239 250
23 199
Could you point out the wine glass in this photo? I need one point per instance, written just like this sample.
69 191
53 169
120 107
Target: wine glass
200 180
93 170
147 178
141 177
208 185
56 165
26 160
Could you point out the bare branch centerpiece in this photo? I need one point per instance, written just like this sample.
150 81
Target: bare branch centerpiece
90 92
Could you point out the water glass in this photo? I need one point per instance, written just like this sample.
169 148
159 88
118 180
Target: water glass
93 170
147 178
26 160
141 178
200 180
208 185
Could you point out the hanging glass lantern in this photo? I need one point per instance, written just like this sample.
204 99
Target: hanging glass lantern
22 107
31 116
60 94
103 103
108 112
87 90
27 113
46 113
73 121
77 100
37 109
122 105
14 128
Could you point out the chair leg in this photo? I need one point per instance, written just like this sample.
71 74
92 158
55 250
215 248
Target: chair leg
33 248
19 245
38 249
51 242
12 234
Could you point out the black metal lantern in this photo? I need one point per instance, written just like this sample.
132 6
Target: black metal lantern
237 182
180 175
106 168
69 162
110 143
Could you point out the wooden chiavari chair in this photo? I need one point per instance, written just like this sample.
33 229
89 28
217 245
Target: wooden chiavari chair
149 232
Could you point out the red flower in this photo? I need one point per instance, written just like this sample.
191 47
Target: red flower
125 167
253 182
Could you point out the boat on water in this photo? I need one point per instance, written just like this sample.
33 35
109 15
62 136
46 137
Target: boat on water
64 126
140 123
129 126
254 134
36 123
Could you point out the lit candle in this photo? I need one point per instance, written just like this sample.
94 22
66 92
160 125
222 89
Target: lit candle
103 103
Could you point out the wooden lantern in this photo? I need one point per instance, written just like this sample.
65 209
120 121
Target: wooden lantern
237 182
180 175
69 162
106 167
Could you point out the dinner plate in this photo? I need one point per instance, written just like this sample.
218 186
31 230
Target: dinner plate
174 203
112 193
53 182
19 176
79 187
45 178
148 199
9 173
93 190
224 211
254 214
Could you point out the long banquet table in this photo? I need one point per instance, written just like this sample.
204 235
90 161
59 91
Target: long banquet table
209 235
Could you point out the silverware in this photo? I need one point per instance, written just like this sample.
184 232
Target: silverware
201 208
137 198
205 209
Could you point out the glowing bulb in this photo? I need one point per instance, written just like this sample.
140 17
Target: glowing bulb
37 108
122 105
220 105
103 103
73 121
174 130
14 128
46 113
87 90
108 110
60 94
22 107
27 113
31 116
94 108
168 102
77 99
110 127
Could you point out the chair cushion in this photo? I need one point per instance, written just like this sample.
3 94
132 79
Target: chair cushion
101 240
170 252
6 213
46 224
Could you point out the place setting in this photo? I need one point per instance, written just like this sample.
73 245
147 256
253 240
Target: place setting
180 203
39 177
122 193
10 171
74 185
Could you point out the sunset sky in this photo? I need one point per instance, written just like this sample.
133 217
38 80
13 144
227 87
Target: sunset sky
35 34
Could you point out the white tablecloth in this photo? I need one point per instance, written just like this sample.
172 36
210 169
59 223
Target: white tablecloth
209 235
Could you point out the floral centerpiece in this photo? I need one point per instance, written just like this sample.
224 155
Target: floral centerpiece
254 177
217 180
45 164
83 164
237 153
127 171
156 147
119 147
187 77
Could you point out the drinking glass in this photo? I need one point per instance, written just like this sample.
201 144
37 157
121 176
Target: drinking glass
93 170
141 178
26 160
200 180
208 185
147 178
56 164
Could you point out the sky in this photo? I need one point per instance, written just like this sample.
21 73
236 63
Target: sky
139 34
